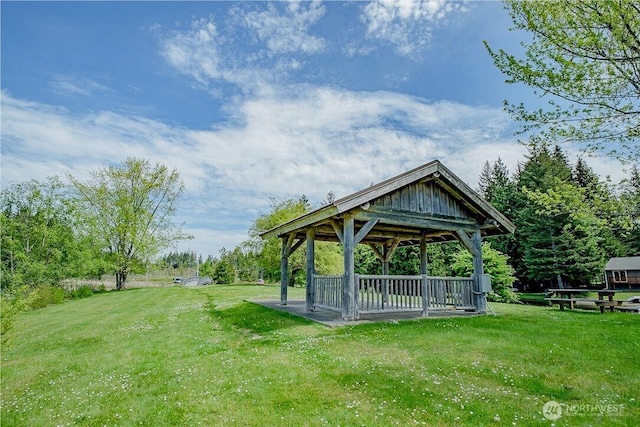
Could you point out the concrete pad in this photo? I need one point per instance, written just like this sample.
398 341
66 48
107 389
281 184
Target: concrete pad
334 319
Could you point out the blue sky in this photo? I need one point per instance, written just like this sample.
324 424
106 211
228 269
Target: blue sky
253 100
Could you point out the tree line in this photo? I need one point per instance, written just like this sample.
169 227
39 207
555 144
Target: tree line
116 222
569 221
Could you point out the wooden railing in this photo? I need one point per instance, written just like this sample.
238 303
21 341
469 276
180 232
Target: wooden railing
384 293
389 293
450 291
328 292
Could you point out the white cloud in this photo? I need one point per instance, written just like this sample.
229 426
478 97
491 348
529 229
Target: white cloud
41 137
73 85
287 32
303 140
197 52
406 24
284 142
281 41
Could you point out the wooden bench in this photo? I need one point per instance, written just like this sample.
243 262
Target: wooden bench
564 297
605 303
629 308
563 301
609 302
567 297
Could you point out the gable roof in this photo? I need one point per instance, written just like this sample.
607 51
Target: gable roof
623 263
405 207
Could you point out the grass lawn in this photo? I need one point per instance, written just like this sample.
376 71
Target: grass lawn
177 356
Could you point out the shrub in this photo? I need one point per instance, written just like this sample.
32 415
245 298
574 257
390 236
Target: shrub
45 295
12 302
224 272
83 291
496 264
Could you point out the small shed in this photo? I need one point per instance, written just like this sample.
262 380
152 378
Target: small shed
623 273
426 205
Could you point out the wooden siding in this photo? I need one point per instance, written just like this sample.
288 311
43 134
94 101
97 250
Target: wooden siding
424 198
429 198
632 282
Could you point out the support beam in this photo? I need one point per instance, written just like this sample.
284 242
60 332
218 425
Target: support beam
467 242
296 246
348 281
385 283
413 220
336 228
424 289
311 289
364 230
389 250
376 251
288 242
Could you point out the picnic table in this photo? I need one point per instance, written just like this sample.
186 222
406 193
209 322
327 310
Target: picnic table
568 296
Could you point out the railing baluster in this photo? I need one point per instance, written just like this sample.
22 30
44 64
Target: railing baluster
402 292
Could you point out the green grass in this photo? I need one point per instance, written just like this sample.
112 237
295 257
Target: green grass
176 356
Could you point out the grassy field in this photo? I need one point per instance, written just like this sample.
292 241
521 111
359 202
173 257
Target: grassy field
176 356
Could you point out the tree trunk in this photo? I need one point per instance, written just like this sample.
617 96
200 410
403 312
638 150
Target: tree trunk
121 278
292 278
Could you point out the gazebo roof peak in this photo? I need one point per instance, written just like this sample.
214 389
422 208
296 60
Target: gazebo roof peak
426 199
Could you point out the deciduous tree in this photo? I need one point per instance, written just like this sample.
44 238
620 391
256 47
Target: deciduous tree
584 57
495 264
38 243
129 209
328 258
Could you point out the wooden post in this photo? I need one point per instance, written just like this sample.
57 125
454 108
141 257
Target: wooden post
311 288
479 298
425 295
348 282
385 272
424 263
287 249
284 271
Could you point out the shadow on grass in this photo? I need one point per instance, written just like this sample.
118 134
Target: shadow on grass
254 318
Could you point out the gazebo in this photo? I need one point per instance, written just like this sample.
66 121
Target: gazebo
428 204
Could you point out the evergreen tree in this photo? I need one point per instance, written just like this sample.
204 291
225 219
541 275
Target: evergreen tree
629 209
584 177
498 188
572 250
534 232
559 231
484 181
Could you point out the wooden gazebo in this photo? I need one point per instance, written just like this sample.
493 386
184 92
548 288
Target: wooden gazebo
428 204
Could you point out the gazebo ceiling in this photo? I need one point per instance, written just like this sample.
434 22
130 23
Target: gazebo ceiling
428 200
